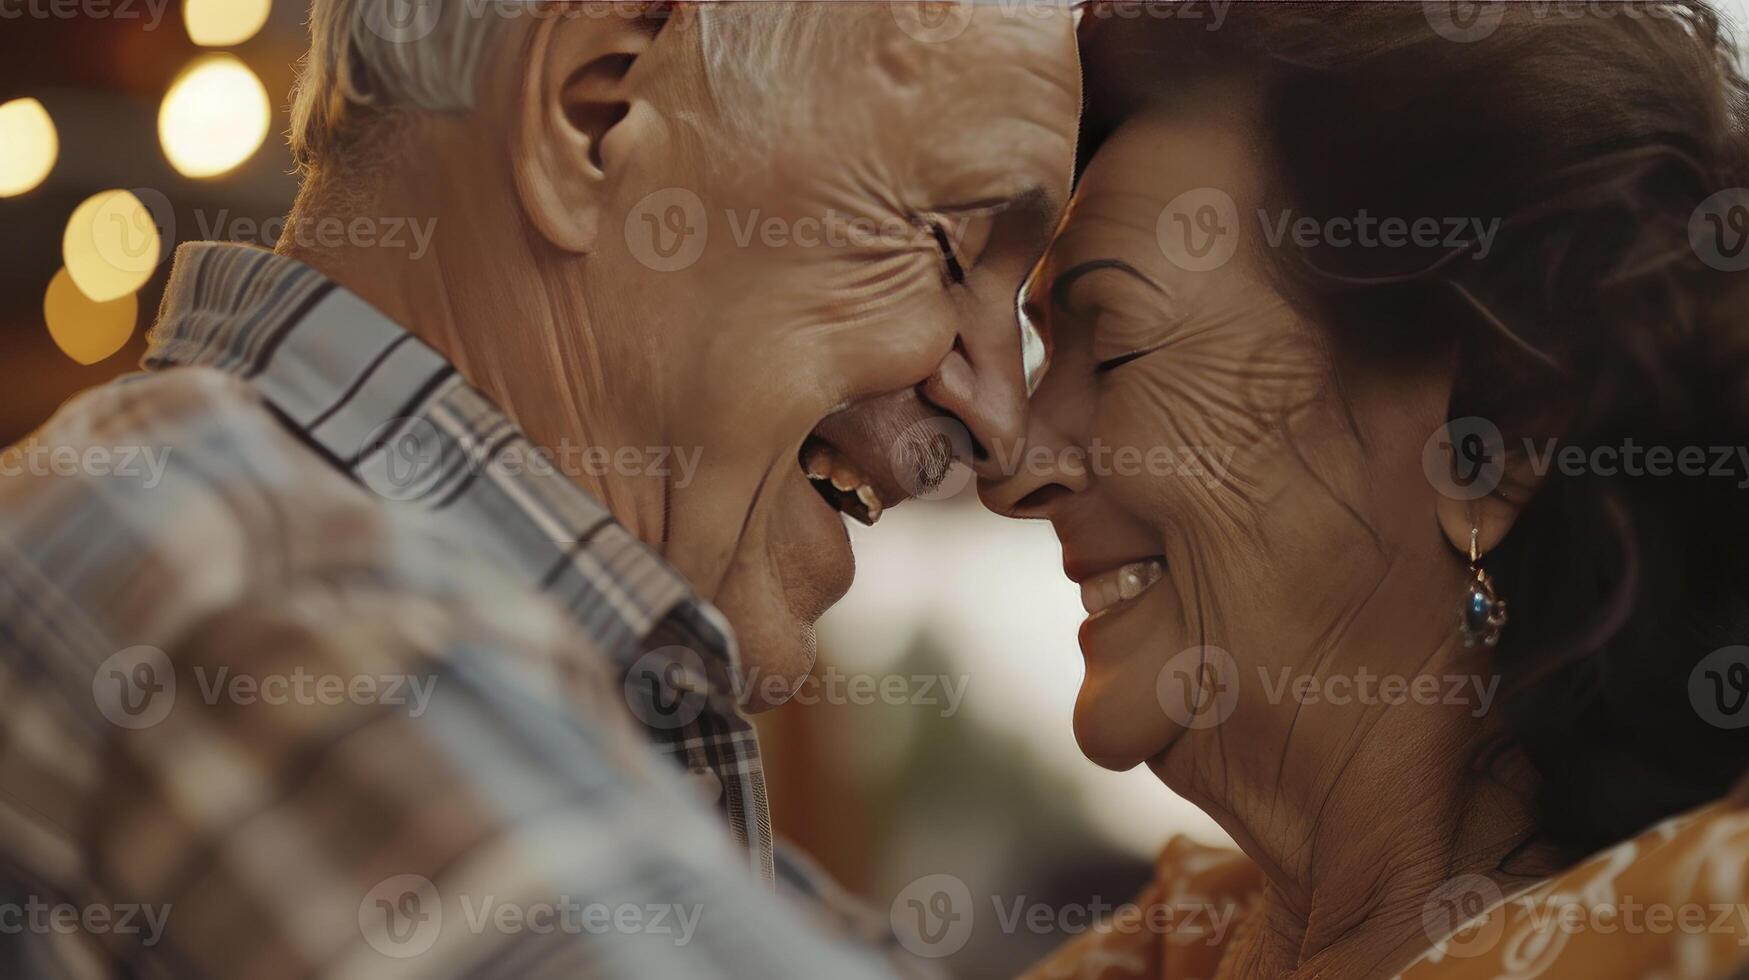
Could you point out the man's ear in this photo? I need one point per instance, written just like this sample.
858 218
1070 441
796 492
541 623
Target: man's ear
1514 481
578 120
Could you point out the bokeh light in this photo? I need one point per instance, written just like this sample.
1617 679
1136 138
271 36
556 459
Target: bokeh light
29 146
215 117
87 331
222 23
111 245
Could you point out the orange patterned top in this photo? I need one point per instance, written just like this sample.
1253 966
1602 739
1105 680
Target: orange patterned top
1670 903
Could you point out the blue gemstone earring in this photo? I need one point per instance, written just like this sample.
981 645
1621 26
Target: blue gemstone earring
1484 612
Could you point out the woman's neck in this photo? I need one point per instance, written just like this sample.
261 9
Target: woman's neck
1363 896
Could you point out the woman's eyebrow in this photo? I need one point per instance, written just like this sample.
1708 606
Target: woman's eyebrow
1066 280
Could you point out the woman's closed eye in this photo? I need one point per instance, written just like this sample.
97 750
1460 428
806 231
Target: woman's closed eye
1123 338
1113 363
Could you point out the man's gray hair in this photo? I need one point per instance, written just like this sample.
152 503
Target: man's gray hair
427 54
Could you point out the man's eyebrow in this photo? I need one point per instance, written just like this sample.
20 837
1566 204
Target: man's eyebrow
1067 279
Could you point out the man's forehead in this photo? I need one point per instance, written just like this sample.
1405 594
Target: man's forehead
1001 95
975 41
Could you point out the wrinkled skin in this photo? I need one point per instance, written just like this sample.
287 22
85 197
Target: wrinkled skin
1319 552
536 287
799 331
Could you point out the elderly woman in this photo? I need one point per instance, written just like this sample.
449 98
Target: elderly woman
1434 311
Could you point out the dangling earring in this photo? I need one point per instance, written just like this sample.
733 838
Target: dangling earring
1484 612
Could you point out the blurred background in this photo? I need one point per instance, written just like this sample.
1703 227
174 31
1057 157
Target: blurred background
937 737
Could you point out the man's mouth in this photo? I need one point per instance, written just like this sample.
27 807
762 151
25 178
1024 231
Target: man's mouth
839 481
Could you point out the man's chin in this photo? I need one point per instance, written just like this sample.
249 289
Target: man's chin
775 630
775 661
795 564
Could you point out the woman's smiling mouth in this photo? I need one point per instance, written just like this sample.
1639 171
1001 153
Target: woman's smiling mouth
1108 589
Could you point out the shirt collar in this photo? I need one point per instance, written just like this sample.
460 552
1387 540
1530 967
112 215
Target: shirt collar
395 415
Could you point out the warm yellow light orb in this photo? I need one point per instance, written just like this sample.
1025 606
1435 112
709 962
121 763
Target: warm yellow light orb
111 245
215 117
85 330
222 23
28 146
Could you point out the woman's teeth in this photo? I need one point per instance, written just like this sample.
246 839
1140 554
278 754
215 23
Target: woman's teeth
1107 589
841 483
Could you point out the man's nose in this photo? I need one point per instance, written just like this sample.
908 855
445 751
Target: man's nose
981 382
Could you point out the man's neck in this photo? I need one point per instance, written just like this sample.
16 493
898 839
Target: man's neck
530 349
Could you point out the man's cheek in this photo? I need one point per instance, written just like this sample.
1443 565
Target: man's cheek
894 332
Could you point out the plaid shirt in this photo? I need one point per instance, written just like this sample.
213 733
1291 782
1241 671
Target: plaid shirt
284 727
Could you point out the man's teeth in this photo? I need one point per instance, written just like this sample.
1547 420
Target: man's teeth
1107 589
871 501
841 483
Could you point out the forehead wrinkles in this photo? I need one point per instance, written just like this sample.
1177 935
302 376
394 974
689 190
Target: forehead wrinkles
883 119
1005 70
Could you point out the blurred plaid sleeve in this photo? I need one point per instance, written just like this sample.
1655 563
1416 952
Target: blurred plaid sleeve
481 806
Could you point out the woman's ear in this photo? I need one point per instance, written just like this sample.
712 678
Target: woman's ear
578 120
1489 485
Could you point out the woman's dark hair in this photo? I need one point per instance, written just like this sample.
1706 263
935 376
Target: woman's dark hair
1595 132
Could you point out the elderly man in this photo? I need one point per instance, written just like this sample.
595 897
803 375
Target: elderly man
353 679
